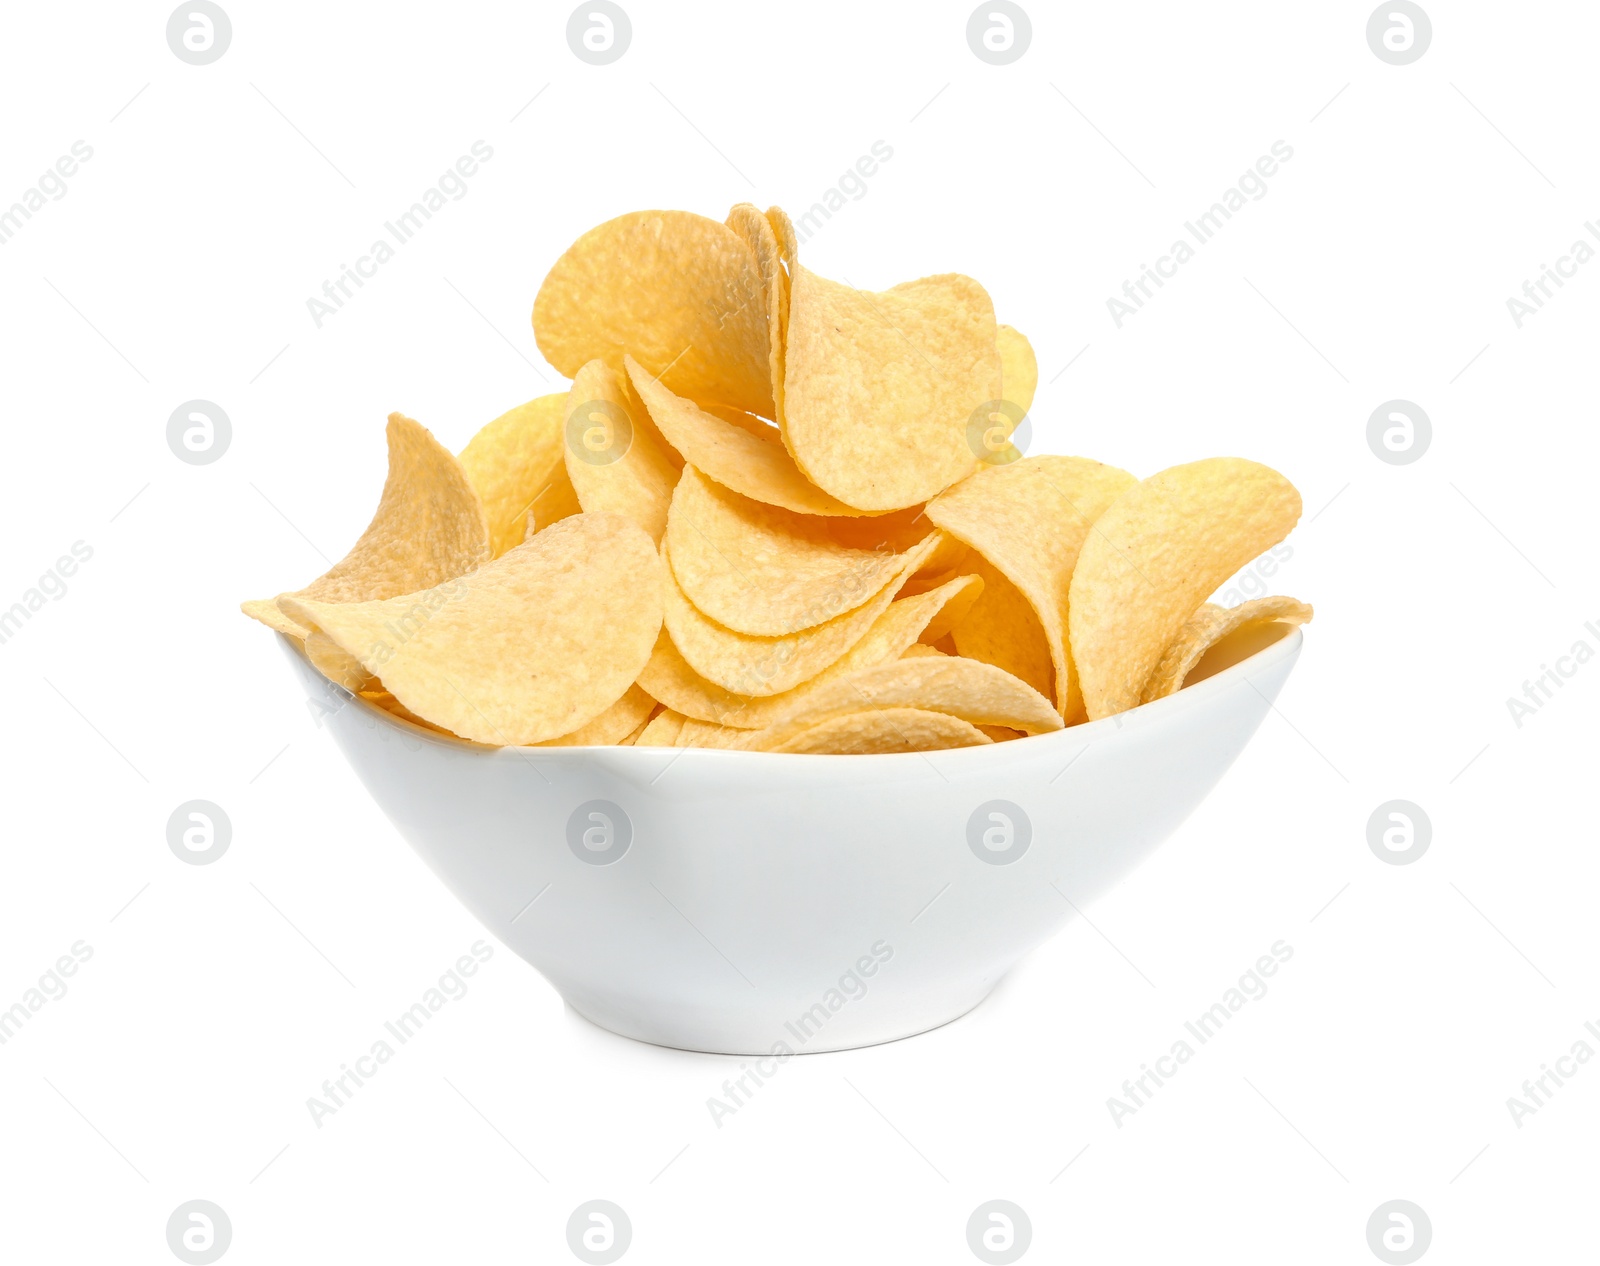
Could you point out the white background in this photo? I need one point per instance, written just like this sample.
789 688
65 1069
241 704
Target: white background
1377 266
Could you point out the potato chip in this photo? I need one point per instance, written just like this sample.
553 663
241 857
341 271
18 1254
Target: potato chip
517 466
336 664
879 387
669 678
1019 369
708 734
758 235
429 527
788 244
921 650
1209 626
1003 629
629 740
1029 519
885 730
1154 555
381 698
763 666
975 692
758 569
623 718
613 459
680 293
529 647
735 454
662 731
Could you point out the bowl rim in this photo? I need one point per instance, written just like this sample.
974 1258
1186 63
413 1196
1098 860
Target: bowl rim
1286 648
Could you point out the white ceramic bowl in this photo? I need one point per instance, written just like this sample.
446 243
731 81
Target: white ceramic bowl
748 903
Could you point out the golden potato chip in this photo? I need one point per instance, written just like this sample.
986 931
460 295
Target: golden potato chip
670 679
662 731
517 465
429 527
879 387
266 611
975 692
735 454
379 697
629 740
788 244
1003 629
1001 733
763 666
337 664
921 650
1154 555
758 235
1207 627
529 647
680 293
885 730
613 459
1029 519
758 569
1019 369
707 734
608 729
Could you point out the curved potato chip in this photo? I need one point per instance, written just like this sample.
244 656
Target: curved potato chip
1019 368
879 387
670 679
764 666
632 739
337 664
517 466
612 455
761 570
736 455
1154 555
1003 629
379 697
429 527
977 693
679 292
662 731
529 647
758 235
1029 519
623 718
886 730
788 244
708 734
1207 627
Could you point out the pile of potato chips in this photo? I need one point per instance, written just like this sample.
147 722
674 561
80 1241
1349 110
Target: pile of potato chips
779 514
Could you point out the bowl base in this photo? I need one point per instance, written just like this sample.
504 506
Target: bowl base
758 1035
